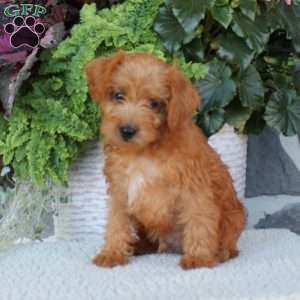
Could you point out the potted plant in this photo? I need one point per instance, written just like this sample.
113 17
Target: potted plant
241 55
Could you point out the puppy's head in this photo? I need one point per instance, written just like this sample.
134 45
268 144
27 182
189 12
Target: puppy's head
141 98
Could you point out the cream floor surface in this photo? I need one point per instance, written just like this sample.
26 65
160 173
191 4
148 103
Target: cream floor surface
268 268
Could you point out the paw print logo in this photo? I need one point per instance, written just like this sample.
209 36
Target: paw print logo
24 32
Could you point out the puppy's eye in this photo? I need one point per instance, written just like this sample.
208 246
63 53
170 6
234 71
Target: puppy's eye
118 96
154 104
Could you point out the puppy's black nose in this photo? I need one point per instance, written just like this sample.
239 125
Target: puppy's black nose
127 132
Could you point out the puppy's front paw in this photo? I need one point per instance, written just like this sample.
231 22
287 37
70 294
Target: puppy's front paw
192 262
110 260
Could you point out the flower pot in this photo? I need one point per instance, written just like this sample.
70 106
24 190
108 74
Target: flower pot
85 215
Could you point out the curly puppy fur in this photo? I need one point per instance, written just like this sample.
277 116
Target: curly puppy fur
169 189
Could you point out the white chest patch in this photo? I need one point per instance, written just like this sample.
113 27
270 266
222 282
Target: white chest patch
134 187
141 173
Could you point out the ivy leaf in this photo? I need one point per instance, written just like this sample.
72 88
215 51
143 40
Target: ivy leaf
283 112
222 12
236 115
234 50
248 8
251 88
255 33
217 89
169 29
190 12
211 121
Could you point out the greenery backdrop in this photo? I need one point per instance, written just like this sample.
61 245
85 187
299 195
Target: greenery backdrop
242 55
252 49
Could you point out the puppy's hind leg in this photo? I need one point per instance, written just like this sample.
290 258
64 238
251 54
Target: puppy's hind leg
200 234
232 225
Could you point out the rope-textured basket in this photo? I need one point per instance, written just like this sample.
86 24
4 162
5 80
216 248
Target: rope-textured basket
86 214
232 148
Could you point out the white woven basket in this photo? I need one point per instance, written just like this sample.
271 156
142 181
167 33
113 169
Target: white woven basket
86 214
232 148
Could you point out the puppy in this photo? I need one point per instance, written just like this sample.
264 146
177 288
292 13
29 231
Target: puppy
170 191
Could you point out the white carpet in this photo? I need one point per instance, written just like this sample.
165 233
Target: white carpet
267 268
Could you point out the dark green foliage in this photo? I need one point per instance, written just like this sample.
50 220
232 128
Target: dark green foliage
218 88
253 51
283 112
234 50
170 29
251 88
222 12
211 120
190 12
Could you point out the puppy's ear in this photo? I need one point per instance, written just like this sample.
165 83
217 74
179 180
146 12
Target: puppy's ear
184 99
99 72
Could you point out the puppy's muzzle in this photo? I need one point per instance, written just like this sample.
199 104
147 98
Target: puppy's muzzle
127 132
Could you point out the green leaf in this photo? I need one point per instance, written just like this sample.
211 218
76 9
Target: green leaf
37 150
222 12
59 119
3 128
236 115
255 32
251 88
169 29
289 16
234 50
20 154
8 157
217 89
194 50
21 169
190 12
211 121
283 112
248 8
194 71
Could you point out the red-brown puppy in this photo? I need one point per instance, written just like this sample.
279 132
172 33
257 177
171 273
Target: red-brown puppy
167 185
